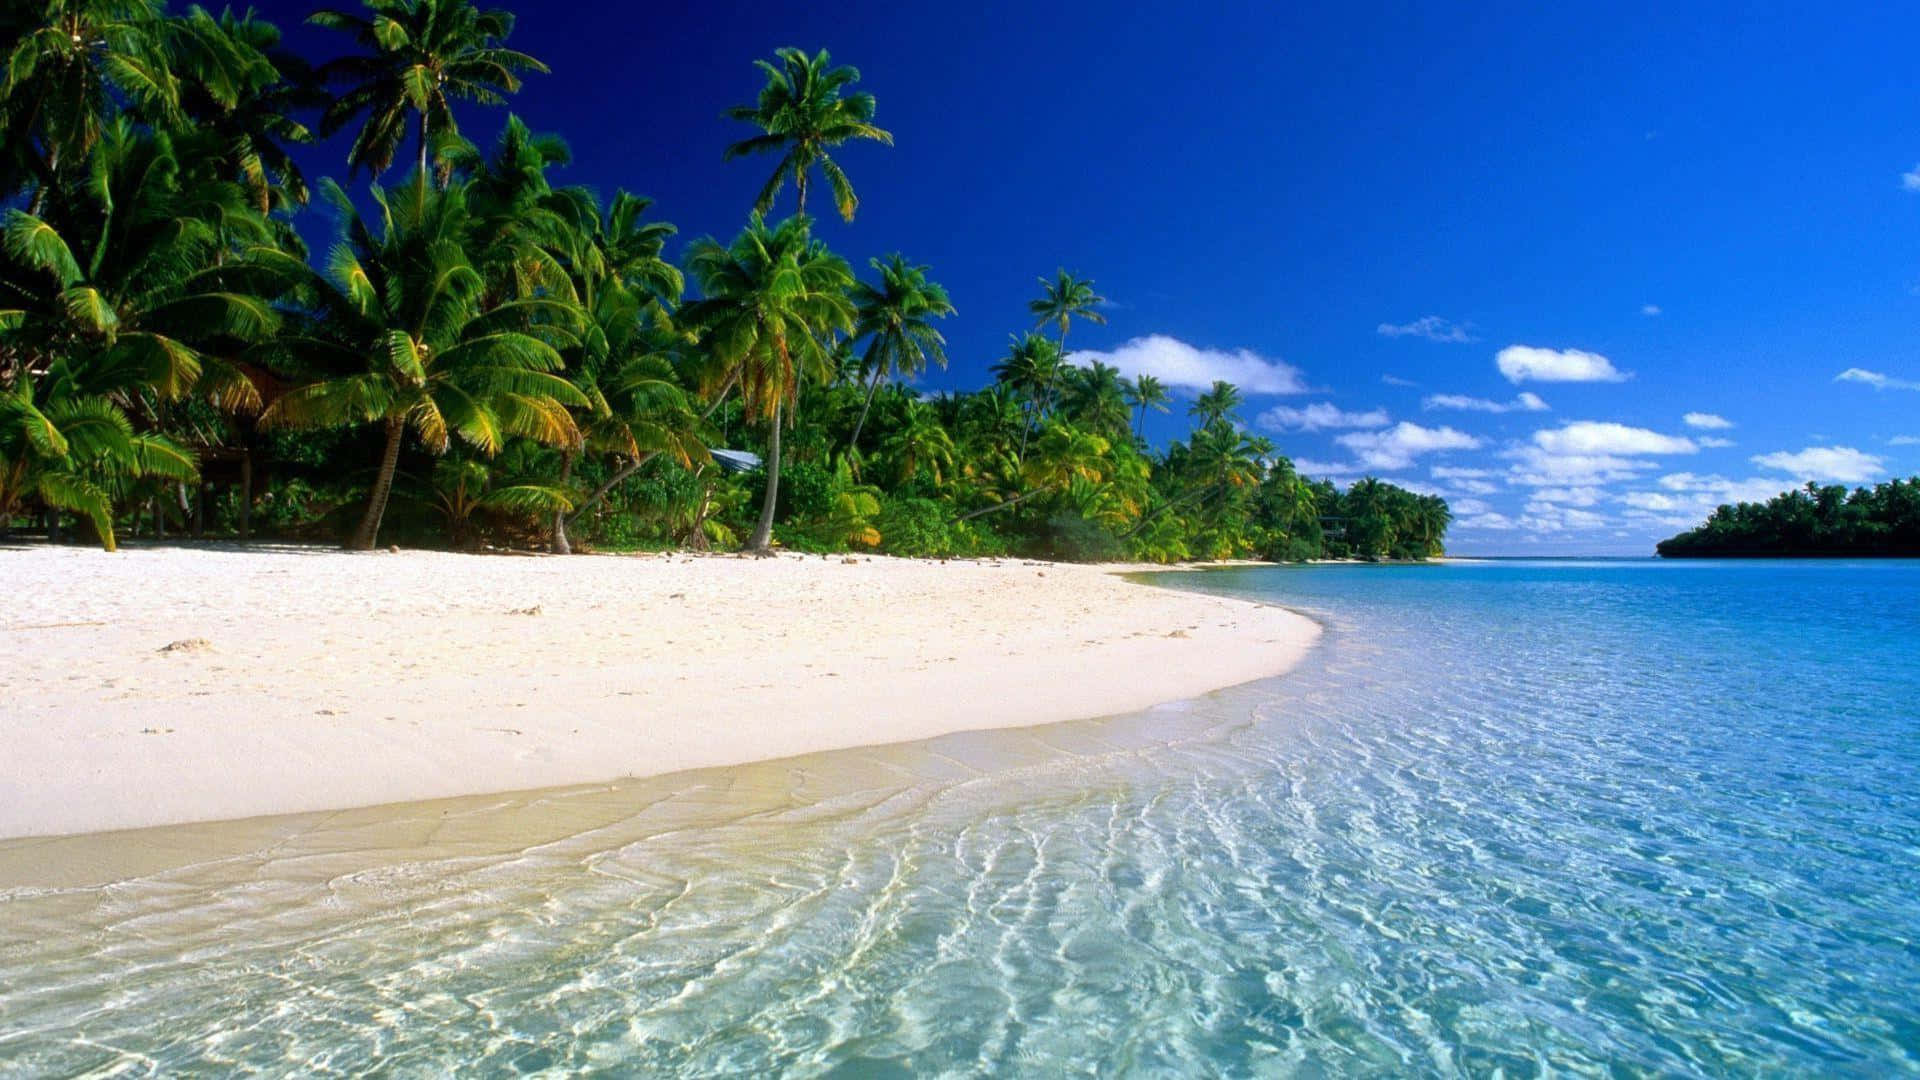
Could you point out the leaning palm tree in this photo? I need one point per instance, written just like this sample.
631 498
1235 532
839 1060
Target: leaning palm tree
403 341
801 113
768 302
416 57
1146 392
895 318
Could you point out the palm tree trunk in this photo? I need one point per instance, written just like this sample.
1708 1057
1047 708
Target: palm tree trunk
560 544
763 532
423 149
368 530
872 388
1015 501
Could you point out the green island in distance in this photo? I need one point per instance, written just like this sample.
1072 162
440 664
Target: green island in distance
1812 522
488 357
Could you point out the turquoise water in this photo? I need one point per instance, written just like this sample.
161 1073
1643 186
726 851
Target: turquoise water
1518 818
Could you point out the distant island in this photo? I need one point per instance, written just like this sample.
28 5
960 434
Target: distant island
1811 522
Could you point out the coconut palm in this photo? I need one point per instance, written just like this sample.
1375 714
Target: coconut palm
1063 300
404 342
1062 454
243 96
768 303
68 63
1146 392
1218 403
802 112
72 450
919 443
1096 399
895 319
417 57
1033 367
122 278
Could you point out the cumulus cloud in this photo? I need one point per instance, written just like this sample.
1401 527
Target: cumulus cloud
1910 181
1319 416
1522 362
1650 310
1395 380
1839 464
1714 442
1568 496
1536 467
1177 363
1490 521
1598 437
1526 402
1875 379
1431 327
1707 421
1397 446
1904 440
1463 507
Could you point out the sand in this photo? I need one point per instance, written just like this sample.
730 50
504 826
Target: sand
163 685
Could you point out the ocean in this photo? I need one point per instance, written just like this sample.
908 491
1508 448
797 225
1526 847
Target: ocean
1509 818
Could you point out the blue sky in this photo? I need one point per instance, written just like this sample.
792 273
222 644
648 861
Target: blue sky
1629 213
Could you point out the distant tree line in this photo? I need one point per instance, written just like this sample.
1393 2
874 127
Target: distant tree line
486 355
1814 521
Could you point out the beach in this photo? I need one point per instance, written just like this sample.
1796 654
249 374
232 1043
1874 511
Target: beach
170 684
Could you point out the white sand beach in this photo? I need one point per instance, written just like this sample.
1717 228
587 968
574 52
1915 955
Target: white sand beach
162 685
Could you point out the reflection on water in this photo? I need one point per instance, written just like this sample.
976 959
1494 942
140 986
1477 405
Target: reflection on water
1515 817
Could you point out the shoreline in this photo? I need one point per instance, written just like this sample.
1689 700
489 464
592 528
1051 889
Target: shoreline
155 686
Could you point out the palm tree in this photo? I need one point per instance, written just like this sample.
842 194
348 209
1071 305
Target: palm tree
1146 392
1096 399
73 450
1061 455
801 113
769 301
243 96
416 57
1216 404
1064 299
67 64
405 342
919 442
895 318
1032 367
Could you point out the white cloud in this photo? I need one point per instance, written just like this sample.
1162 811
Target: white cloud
1535 467
1569 496
1715 442
1707 421
1522 362
1876 379
1526 402
1840 464
1559 519
1395 380
1177 363
1397 446
1650 310
1431 327
1326 470
1904 440
1597 437
1910 181
1497 522
1459 472
1463 507
1319 416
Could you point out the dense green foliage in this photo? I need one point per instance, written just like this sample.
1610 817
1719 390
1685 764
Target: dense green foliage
1814 521
487 356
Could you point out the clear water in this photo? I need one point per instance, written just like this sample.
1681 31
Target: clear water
1510 818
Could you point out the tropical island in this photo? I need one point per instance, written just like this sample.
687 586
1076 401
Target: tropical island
1811 522
485 356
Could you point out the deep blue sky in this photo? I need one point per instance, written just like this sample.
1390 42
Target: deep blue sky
1237 178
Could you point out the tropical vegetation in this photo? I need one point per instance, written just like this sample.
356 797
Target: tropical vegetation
1812 522
484 355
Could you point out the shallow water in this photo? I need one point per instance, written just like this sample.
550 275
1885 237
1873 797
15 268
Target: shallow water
1509 817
